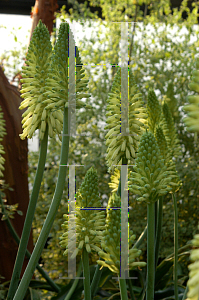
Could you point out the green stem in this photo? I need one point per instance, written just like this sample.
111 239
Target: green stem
51 214
159 229
150 251
175 247
141 238
95 281
122 281
131 289
86 272
185 293
123 288
74 285
28 254
156 216
29 218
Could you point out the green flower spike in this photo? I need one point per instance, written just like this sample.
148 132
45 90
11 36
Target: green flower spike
2 133
89 223
170 131
193 282
120 146
167 156
192 121
58 82
151 177
33 89
111 239
153 110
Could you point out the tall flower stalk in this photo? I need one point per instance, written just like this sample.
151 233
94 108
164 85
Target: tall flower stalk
150 180
123 142
192 124
34 76
55 100
111 253
86 235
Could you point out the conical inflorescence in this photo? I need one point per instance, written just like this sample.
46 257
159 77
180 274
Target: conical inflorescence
35 74
150 177
58 82
123 145
166 153
89 220
192 109
153 110
110 244
170 131
46 82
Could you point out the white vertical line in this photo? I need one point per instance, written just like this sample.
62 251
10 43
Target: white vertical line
124 266
124 132
124 78
71 224
72 83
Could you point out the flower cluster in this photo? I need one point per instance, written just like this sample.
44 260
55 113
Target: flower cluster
111 239
151 177
123 145
175 182
170 131
34 76
89 220
2 133
45 82
153 110
192 121
193 282
57 93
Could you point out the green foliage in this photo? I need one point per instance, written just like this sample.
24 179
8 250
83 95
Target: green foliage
12 59
158 62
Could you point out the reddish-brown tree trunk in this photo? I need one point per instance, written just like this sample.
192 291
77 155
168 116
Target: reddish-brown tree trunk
16 164
15 174
44 10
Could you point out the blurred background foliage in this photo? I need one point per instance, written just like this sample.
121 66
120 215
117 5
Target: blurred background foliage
162 58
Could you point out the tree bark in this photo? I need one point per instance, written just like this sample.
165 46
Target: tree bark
16 152
44 10
15 174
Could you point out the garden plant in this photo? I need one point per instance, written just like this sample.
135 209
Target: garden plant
141 159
